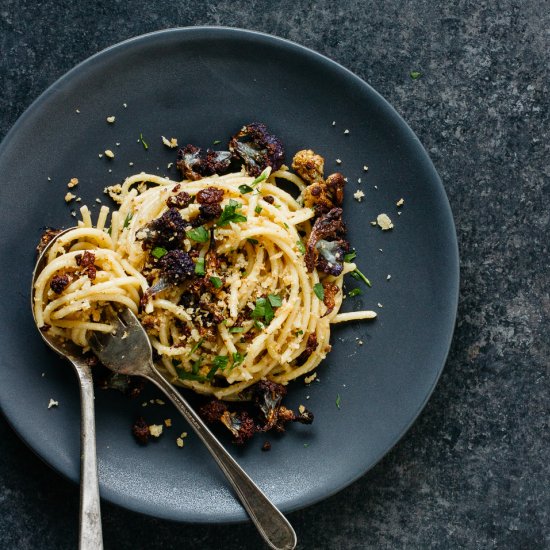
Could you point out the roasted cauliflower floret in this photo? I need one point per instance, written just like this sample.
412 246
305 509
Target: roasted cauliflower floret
309 166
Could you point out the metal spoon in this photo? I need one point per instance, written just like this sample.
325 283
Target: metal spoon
90 537
128 351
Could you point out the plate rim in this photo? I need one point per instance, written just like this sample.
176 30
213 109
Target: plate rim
276 41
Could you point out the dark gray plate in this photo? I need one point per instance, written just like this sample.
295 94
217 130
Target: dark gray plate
202 84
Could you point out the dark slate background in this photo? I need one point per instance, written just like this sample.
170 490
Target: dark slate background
474 470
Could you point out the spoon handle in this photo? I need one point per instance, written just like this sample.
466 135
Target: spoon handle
270 522
91 537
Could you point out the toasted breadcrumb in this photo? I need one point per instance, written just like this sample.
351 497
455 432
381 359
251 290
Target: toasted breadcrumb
168 422
72 183
400 202
301 409
310 379
179 442
110 119
384 222
109 154
69 196
155 430
171 143
358 195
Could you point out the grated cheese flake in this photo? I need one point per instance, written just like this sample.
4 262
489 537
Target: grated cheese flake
53 403
110 119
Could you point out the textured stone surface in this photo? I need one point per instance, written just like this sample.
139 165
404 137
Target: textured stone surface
473 471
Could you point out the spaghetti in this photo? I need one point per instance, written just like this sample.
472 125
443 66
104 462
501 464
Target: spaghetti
246 308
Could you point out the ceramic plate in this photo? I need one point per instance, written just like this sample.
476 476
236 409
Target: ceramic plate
201 85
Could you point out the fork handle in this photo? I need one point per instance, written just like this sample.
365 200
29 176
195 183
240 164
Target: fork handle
270 522
91 537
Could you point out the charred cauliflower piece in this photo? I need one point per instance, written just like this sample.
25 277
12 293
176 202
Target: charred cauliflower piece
309 166
323 196
326 245
195 164
257 148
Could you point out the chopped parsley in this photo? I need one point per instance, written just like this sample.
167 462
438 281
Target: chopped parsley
199 267
258 209
127 220
356 274
253 241
184 375
234 330
220 363
158 252
216 281
259 325
196 346
275 300
319 291
199 234
301 246
338 400
351 256
216 142
261 177
354 292
415 75
143 142
196 365
230 214
238 358
244 189
263 310
298 333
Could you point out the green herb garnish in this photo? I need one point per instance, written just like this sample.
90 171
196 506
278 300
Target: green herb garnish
298 333
196 346
338 400
230 214
216 282
145 146
349 257
263 310
158 252
262 176
234 330
354 292
216 142
184 375
199 234
196 365
259 325
253 241
199 267
258 209
127 220
237 359
301 246
319 291
244 189
220 363
275 300
356 274
415 75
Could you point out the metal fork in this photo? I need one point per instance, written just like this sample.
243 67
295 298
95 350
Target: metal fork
128 351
